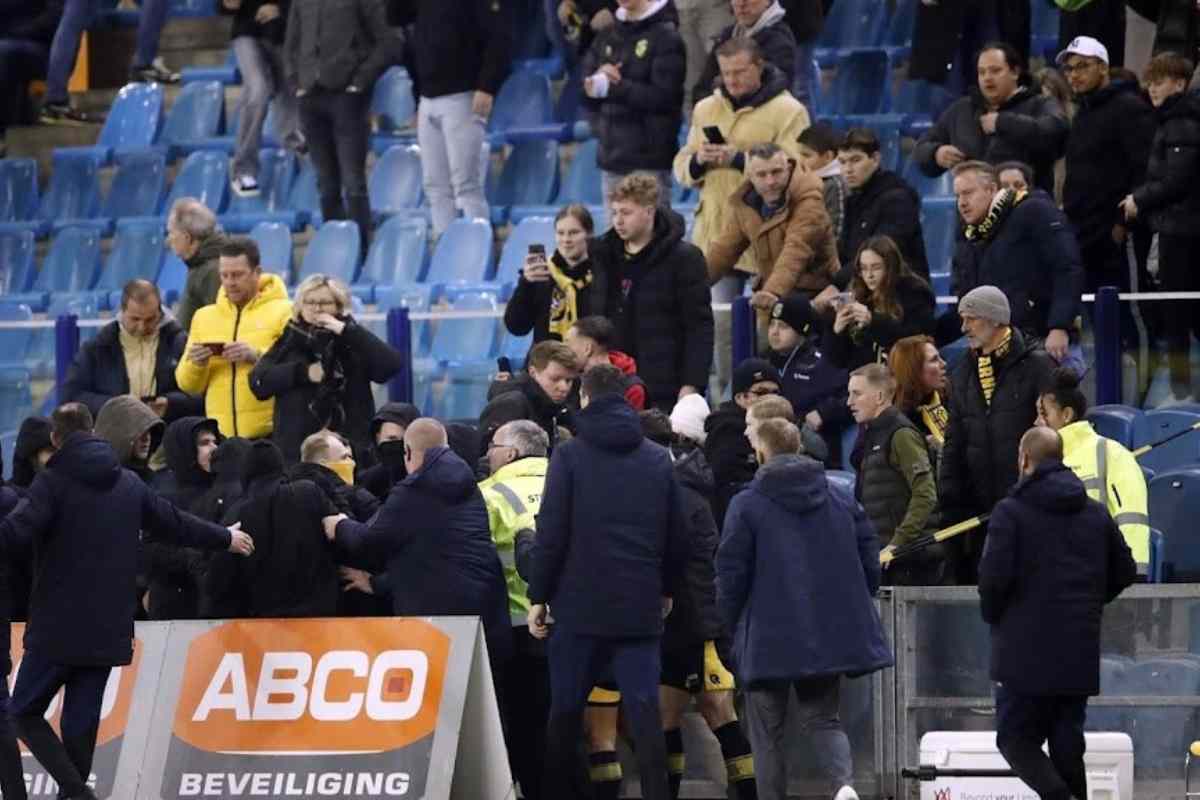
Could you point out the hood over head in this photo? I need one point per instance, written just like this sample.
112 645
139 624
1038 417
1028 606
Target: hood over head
610 423
404 414
32 437
229 459
179 447
262 460
122 420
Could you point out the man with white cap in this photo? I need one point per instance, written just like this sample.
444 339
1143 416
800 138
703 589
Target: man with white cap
993 398
1107 151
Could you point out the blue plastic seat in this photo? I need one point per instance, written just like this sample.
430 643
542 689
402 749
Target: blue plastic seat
205 177
464 351
276 177
8 449
414 297
580 184
531 230
939 223
305 197
850 24
396 257
137 188
514 348
395 181
70 266
72 197
898 35
887 127
1160 734
920 102
196 116
523 103
171 278
14 342
138 251
464 253
192 8
274 241
16 262
529 177
861 84
941 186
1156 425
1115 422
1174 504
132 123
226 73
394 108
16 396
18 189
1044 30
333 252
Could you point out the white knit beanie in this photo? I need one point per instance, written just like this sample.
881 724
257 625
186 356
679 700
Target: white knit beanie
687 418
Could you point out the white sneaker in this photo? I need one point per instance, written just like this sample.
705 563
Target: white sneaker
846 793
245 186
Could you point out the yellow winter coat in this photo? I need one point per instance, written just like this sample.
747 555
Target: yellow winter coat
224 385
772 115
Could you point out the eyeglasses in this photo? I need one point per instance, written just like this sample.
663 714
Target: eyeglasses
319 303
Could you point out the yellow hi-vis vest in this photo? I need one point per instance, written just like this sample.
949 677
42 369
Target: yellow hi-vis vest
513 495
1113 477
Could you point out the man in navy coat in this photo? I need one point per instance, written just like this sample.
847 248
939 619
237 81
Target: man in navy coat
611 542
83 517
1052 559
797 568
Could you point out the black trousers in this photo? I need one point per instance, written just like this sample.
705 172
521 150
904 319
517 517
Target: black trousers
1025 722
526 702
1181 318
1106 263
12 775
68 760
337 127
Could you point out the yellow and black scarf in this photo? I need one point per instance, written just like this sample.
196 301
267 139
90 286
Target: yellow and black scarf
987 370
1004 202
564 297
936 417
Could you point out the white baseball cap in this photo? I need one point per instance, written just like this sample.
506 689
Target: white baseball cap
1084 46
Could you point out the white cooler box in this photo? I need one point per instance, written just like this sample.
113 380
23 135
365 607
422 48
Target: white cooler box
1109 763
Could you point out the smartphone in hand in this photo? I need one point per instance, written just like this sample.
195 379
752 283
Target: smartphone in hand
713 134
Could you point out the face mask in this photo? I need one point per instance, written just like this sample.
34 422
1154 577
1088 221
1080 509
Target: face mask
392 454
344 470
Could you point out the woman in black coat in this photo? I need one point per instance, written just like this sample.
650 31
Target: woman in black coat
551 295
320 371
886 302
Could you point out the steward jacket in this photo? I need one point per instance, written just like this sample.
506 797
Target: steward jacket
797 569
226 385
769 115
1107 152
793 249
335 44
84 517
660 304
886 206
895 481
513 495
1170 197
1113 477
612 533
1030 128
98 372
432 533
1052 560
637 123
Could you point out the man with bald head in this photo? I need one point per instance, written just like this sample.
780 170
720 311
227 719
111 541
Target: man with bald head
1052 559
432 534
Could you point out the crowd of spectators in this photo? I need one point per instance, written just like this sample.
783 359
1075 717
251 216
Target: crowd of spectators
605 486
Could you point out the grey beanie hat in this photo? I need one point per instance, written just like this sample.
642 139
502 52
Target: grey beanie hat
986 302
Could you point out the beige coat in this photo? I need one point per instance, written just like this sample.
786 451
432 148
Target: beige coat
779 119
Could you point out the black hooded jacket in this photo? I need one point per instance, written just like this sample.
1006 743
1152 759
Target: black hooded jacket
1053 559
84 516
32 438
521 398
353 501
637 124
694 619
378 479
885 206
729 454
660 304
227 480
1170 197
176 574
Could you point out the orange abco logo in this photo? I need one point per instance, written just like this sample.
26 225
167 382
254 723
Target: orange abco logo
312 687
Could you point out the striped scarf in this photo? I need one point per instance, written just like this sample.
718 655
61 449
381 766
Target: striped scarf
936 417
987 372
564 298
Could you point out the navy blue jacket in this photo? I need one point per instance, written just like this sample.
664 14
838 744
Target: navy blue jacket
83 516
1034 259
8 501
612 531
432 533
797 569
1051 561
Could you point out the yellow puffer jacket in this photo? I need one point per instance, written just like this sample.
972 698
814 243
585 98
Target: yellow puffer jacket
226 386
772 115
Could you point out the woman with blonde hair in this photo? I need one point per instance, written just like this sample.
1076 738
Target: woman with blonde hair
320 371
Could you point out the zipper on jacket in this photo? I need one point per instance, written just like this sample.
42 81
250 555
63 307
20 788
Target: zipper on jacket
237 321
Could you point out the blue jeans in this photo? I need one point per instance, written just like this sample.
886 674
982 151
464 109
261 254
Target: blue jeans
68 760
77 15
577 662
261 65
1024 722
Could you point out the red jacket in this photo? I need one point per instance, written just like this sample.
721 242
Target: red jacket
635 395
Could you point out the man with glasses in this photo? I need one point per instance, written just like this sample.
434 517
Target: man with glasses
1107 152
725 445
